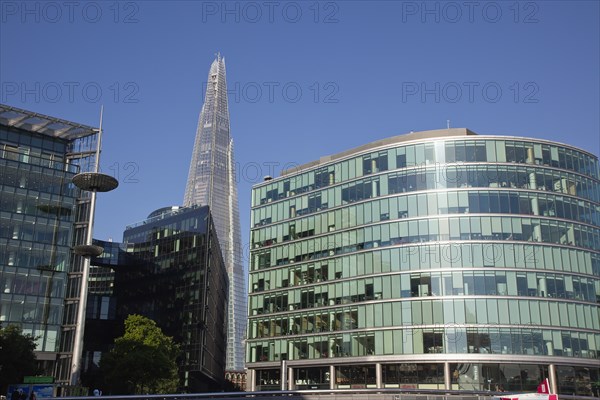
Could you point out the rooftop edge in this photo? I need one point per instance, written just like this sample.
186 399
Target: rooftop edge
431 134
43 124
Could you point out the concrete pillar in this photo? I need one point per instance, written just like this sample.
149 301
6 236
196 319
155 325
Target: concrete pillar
378 376
291 379
550 348
331 377
331 343
530 156
447 376
251 380
571 236
542 287
535 209
532 181
552 378
284 375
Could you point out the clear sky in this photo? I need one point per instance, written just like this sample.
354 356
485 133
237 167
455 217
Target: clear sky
305 78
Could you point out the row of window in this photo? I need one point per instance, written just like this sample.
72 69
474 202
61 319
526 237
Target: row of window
46 336
41 312
449 340
23 176
428 257
184 224
428 230
31 141
27 219
44 160
24 281
426 154
427 312
441 203
101 281
543 181
56 233
423 284
21 201
112 254
34 255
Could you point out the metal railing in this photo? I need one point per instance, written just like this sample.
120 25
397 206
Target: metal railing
326 394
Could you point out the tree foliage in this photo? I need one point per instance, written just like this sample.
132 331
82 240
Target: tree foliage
17 357
143 360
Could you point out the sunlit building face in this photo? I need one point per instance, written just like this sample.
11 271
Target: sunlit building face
439 259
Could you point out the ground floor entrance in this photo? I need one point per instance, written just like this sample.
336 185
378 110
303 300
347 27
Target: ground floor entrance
494 377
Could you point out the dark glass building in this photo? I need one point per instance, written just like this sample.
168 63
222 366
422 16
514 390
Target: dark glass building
169 269
432 260
101 323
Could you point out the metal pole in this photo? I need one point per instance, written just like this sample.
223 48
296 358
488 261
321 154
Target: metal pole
283 374
447 376
552 375
332 383
251 380
80 324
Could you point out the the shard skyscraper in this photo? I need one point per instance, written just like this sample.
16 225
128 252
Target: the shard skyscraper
211 181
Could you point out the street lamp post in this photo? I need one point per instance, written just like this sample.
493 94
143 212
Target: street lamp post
92 182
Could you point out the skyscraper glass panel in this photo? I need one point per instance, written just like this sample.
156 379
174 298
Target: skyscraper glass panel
211 181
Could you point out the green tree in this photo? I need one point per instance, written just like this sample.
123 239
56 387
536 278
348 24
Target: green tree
143 360
17 357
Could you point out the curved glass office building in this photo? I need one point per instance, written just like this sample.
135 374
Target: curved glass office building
438 259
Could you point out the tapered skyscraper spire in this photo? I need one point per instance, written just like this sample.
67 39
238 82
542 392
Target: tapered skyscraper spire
211 181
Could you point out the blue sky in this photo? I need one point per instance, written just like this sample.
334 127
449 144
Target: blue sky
306 79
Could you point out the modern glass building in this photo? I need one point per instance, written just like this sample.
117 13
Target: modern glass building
169 269
102 326
211 181
438 259
42 215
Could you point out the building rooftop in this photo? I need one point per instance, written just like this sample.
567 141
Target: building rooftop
162 213
43 124
437 133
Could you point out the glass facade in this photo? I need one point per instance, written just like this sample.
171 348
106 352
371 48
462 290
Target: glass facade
440 259
211 181
42 215
37 202
101 323
169 269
